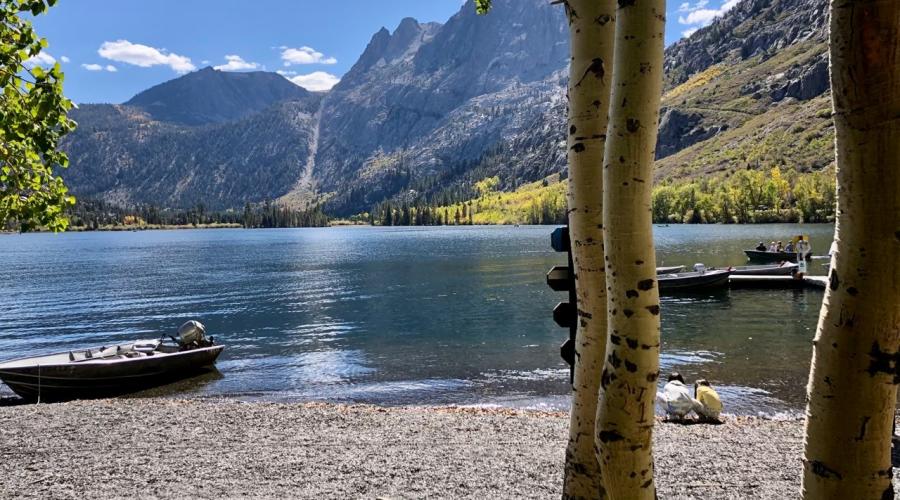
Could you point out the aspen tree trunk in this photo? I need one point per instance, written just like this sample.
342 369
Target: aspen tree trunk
625 415
591 30
853 381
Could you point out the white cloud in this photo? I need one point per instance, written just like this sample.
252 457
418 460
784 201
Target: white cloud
316 81
690 7
304 55
99 67
286 72
65 59
236 63
144 56
696 15
42 59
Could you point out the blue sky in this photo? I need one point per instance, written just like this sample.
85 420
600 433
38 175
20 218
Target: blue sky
111 50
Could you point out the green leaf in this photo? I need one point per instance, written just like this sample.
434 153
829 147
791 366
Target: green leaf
32 122
482 6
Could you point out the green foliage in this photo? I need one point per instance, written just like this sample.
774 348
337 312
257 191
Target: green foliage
99 215
482 6
33 118
748 196
542 202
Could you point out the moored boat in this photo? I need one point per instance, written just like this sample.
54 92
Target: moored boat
783 269
694 280
111 370
766 256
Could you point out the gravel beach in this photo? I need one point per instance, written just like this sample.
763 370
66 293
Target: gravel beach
225 448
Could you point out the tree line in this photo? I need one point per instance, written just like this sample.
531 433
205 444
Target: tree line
741 197
98 214
747 197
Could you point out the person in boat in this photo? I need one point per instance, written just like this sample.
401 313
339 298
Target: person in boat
709 406
779 247
789 248
761 247
676 399
803 246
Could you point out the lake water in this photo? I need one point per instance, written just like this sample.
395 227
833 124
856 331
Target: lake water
391 315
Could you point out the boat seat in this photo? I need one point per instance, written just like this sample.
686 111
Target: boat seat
146 346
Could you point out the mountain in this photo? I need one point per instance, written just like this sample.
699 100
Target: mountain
426 103
221 139
430 109
749 91
210 96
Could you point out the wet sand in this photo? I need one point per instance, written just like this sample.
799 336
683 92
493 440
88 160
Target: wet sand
225 448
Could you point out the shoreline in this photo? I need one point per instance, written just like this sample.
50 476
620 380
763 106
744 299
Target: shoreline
210 448
344 224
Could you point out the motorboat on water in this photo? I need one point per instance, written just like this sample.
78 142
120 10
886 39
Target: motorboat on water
782 269
764 256
700 278
669 269
112 370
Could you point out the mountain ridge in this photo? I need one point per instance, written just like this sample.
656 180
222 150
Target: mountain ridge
430 109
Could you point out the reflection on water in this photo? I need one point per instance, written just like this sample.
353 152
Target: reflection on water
390 315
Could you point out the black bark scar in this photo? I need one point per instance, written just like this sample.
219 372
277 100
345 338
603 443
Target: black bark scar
645 284
614 360
633 125
834 282
596 68
630 366
610 436
820 469
884 362
862 428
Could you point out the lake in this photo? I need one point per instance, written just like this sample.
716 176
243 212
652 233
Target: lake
454 315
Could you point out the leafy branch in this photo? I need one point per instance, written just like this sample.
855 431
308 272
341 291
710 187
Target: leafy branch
33 119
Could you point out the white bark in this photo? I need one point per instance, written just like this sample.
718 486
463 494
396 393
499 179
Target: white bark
592 30
853 381
625 415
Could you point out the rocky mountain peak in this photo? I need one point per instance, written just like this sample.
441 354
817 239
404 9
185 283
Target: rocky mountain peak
752 28
211 96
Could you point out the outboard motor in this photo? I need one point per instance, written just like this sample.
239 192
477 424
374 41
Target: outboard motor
193 334
700 268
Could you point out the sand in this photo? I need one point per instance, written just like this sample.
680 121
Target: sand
226 448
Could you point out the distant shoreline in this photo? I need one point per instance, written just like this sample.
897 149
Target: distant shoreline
163 227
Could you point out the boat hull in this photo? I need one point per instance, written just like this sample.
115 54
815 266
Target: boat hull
87 380
784 270
669 270
767 257
687 282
